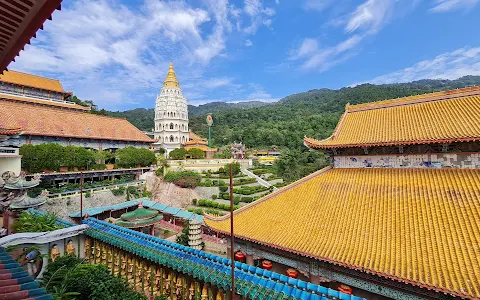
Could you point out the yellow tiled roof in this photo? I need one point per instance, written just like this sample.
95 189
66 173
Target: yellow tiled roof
432 118
31 80
45 102
420 226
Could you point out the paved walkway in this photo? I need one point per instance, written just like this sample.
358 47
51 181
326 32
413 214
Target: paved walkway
259 180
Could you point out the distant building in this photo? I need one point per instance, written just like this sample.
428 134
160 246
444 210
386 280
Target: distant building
39 108
196 141
171 115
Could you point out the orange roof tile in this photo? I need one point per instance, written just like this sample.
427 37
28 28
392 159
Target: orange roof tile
31 80
441 117
50 121
419 226
46 102
195 137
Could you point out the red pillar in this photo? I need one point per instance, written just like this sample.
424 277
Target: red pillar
152 230
5 220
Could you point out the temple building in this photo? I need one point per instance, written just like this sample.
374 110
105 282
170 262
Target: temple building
38 107
171 115
196 141
395 215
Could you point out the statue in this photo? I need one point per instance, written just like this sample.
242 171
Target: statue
123 266
70 248
88 249
54 252
104 254
238 150
191 291
204 292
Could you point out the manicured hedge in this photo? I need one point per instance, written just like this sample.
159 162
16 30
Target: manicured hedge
249 190
183 178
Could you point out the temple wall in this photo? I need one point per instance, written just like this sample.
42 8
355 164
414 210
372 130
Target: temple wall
86 143
433 160
146 276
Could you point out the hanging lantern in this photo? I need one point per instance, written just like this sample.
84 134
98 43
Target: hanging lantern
267 265
239 256
292 273
345 289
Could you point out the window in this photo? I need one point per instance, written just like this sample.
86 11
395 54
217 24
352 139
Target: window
171 138
171 125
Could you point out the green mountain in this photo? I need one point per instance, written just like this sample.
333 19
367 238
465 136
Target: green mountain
313 113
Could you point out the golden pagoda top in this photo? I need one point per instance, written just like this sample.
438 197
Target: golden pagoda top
171 79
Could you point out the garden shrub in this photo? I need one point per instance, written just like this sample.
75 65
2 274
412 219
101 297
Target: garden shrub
119 191
223 189
214 196
183 178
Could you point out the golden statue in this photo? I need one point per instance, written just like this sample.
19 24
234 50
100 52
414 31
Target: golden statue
130 274
88 249
191 291
70 249
219 295
139 274
54 252
205 292
104 254
97 252
158 276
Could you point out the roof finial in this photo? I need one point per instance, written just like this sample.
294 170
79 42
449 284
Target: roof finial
140 204
171 79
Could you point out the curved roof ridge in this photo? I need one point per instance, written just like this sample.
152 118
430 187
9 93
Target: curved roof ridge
416 99
32 80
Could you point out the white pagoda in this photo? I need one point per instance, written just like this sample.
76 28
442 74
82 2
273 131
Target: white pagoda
171 115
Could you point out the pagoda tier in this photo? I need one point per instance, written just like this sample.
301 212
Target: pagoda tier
25 202
141 217
194 235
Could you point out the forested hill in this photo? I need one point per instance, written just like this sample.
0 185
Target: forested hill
314 113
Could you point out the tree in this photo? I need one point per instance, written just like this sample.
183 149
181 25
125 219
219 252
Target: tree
132 157
182 239
196 153
35 222
177 154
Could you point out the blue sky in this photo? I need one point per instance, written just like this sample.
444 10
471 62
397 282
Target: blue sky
116 53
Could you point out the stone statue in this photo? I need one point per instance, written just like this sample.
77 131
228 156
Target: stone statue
70 248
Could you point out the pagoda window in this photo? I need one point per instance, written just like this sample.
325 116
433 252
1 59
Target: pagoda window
171 138
171 125
176 126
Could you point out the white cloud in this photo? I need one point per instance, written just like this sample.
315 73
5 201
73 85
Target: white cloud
449 65
248 43
370 16
365 20
258 15
317 5
108 53
308 47
441 6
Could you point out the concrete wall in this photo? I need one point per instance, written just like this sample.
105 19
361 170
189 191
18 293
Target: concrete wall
10 160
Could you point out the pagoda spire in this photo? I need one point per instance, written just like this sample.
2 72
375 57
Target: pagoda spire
171 79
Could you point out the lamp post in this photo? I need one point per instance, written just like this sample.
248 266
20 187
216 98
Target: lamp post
232 254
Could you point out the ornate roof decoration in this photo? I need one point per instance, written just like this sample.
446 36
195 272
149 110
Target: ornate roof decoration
51 121
20 22
171 79
249 281
27 202
139 218
418 226
34 81
443 117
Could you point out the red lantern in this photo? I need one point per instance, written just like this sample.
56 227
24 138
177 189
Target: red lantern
239 256
292 273
345 289
267 265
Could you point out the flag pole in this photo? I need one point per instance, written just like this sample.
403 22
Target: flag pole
232 251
